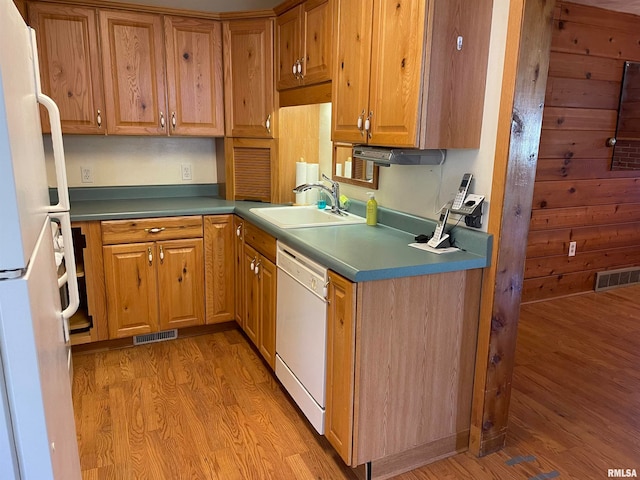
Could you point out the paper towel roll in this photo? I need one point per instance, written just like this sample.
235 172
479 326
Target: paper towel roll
301 177
347 168
313 176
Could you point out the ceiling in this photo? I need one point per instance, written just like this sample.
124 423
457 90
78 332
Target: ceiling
628 6
211 5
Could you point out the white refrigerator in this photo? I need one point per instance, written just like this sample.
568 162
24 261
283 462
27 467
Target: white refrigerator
37 431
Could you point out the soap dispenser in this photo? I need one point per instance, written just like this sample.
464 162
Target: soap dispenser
372 209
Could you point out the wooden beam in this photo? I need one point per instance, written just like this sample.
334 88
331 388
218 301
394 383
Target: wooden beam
519 127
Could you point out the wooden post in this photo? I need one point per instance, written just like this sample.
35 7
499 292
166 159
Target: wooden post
519 128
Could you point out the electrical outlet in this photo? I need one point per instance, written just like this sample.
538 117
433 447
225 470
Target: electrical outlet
186 171
572 249
86 174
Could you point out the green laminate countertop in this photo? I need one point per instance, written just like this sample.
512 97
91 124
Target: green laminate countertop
357 252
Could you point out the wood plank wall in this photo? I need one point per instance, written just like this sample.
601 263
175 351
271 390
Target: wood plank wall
576 196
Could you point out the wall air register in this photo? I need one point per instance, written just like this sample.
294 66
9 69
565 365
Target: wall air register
386 157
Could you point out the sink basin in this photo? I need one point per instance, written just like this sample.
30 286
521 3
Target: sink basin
304 216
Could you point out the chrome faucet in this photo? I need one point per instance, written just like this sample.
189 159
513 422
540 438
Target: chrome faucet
334 191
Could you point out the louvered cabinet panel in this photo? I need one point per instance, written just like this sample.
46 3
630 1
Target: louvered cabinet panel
250 169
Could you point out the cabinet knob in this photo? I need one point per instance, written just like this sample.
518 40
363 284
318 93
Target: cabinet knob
173 120
267 123
162 120
99 119
611 142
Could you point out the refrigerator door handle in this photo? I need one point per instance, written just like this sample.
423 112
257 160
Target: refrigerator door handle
70 265
58 154
56 135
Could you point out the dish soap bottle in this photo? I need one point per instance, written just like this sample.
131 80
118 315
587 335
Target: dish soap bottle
372 209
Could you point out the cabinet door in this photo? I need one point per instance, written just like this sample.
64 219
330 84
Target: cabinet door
180 283
194 74
70 65
239 270
248 78
288 48
352 62
341 324
130 278
267 275
219 263
396 72
251 294
133 60
317 41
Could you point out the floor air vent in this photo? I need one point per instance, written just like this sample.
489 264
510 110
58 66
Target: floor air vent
617 278
155 337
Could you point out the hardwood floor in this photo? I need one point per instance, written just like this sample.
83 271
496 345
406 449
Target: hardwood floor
207 408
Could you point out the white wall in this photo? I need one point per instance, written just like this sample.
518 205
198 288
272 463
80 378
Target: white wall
414 189
125 160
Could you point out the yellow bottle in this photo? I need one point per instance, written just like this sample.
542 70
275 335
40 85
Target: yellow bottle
372 209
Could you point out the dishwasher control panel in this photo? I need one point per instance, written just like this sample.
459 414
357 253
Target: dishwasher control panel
302 269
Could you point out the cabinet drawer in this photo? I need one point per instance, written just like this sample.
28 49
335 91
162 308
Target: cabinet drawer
260 240
151 229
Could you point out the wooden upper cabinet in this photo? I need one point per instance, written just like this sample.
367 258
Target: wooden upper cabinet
400 78
288 49
352 65
134 79
248 78
304 45
194 76
70 65
396 72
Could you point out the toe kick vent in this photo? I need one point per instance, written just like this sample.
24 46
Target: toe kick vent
617 278
155 337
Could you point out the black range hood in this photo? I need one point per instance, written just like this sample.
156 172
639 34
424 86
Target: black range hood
386 157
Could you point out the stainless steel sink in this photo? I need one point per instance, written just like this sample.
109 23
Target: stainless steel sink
304 216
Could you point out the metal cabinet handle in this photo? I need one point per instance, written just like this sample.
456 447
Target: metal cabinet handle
162 120
256 270
299 65
150 255
173 120
239 231
367 124
99 119
325 291
295 69
154 230
253 264
267 123
161 254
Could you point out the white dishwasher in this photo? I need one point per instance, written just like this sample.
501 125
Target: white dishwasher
301 331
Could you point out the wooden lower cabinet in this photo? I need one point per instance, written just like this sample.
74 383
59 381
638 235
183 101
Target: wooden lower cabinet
219 262
154 286
239 271
341 323
260 302
400 364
